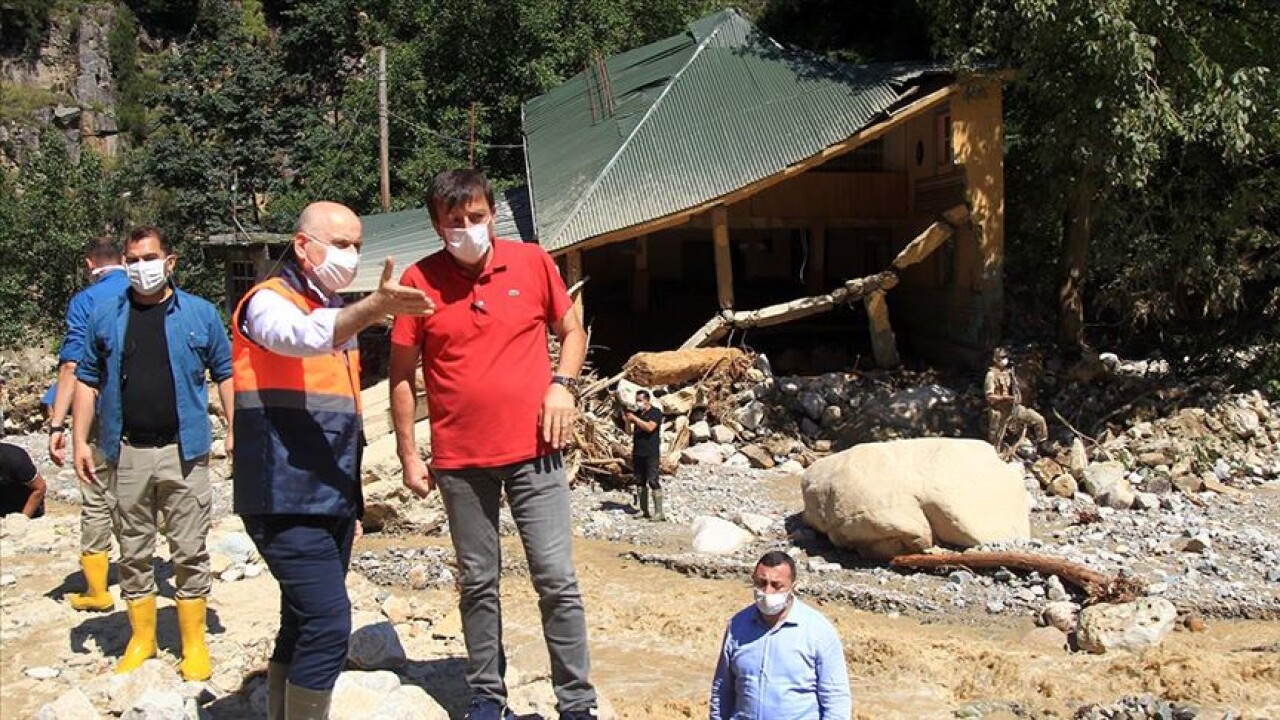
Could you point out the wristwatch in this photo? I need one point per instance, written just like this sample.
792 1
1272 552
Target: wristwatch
57 429
570 383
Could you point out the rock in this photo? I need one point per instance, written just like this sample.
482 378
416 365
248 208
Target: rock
419 577
1046 470
1054 589
626 392
681 402
70 705
8 579
388 504
715 536
811 404
704 454
126 691
700 432
1119 495
219 563
893 498
1198 544
723 434
751 415
1138 625
232 574
792 467
252 570
1077 459
162 705
397 609
1063 486
1188 483
1098 477
758 524
42 672
759 457
236 546
737 460
1154 459
1146 501
14 525
359 695
1048 637
1060 614
831 416
376 647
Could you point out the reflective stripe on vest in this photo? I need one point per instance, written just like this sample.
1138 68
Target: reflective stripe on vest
298 425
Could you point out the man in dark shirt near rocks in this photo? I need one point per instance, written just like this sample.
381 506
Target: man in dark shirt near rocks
21 487
646 452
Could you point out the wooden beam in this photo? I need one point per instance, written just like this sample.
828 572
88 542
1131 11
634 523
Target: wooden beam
726 320
640 278
573 271
932 238
883 343
853 142
724 260
816 271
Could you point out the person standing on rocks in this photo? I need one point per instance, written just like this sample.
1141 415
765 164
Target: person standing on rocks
646 451
780 658
21 487
297 460
103 261
146 355
1004 402
499 419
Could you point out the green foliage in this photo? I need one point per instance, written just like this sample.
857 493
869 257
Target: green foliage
1164 112
18 103
49 209
133 86
22 25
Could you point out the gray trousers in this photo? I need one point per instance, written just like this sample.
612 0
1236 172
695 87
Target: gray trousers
96 527
154 481
538 494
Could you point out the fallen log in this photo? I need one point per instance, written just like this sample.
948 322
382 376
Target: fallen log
719 325
677 367
1097 586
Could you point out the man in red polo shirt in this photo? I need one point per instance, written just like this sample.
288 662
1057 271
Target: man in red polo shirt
499 418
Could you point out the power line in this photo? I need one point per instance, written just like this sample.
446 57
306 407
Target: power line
459 141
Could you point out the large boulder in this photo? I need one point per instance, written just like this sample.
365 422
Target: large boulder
358 695
388 504
70 705
901 497
1138 625
376 647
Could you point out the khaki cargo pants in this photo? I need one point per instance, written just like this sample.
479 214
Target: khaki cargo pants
149 482
96 527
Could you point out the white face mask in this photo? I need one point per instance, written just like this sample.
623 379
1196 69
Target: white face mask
338 269
468 245
147 277
771 603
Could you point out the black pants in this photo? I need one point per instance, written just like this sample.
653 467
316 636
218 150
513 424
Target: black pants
646 470
308 555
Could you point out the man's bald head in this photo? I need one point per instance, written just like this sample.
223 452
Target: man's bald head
320 218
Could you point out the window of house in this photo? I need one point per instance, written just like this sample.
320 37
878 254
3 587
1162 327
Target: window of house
869 157
946 150
243 273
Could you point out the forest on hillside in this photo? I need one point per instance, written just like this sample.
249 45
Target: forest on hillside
1142 159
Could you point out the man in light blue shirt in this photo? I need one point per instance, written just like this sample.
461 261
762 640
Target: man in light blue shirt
781 659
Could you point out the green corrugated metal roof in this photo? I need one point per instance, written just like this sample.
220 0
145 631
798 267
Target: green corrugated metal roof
696 116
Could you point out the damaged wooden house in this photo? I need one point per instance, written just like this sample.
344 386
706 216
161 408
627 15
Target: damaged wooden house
717 186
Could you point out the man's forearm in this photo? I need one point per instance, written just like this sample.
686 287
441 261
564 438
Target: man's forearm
356 317
227 394
403 410
38 490
64 394
573 351
82 407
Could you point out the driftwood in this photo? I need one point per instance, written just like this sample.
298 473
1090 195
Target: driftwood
724 321
678 367
1098 586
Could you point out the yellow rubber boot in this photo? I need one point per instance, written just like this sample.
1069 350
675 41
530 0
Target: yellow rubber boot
195 663
142 644
97 599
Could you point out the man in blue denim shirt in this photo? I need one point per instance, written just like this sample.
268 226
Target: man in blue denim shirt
146 356
781 659
102 260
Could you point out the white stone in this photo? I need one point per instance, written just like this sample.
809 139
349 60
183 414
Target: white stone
901 497
1078 459
1138 625
1118 495
715 536
1060 614
162 705
680 402
790 467
758 524
7 579
376 647
700 431
14 525
738 461
723 434
252 570
70 705
237 546
626 393
1098 477
751 415
154 675
704 454
232 574
42 673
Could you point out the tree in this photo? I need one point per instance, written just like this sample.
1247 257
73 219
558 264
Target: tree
1111 101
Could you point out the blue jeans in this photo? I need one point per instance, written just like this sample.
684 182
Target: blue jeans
538 494
308 555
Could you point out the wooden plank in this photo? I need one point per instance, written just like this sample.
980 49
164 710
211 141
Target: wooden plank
573 272
853 142
816 271
923 245
724 260
883 343
713 331
640 278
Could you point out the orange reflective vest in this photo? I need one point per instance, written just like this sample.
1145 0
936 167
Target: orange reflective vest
298 427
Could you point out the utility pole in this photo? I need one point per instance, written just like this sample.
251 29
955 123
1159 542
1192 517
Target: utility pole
383 150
